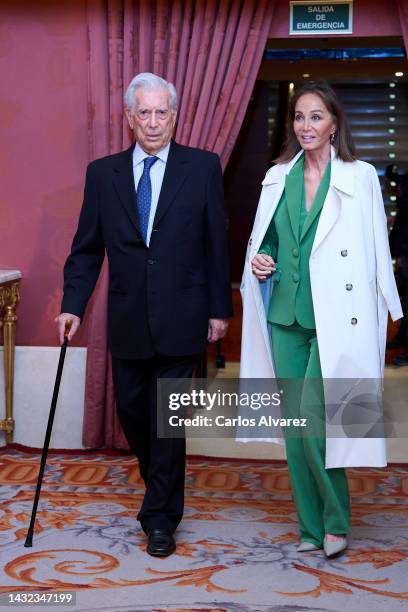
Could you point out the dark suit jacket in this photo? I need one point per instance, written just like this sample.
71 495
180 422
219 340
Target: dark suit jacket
161 297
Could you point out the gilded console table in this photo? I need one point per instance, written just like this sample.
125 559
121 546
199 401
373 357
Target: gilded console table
9 297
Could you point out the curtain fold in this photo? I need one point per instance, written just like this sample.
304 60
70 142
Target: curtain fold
211 50
403 15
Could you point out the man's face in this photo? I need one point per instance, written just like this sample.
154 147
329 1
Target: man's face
152 120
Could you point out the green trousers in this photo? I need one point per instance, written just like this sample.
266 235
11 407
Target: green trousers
321 495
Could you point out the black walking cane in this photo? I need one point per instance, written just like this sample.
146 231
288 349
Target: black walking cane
29 538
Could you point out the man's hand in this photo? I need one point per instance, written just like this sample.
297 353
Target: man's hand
217 328
61 320
262 266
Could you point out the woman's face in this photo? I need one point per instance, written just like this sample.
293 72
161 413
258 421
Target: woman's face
313 123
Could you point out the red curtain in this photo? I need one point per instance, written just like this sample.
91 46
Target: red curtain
211 50
403 14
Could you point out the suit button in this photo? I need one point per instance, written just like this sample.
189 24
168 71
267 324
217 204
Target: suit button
295 252
295 277
151 262
354 321
344 253
250 241
349 286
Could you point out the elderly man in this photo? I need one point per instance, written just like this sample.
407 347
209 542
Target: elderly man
156 209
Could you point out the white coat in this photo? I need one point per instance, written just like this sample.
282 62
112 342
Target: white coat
350 246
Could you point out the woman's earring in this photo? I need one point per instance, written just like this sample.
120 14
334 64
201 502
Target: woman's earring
332 137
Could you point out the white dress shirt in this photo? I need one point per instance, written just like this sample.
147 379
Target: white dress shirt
156 178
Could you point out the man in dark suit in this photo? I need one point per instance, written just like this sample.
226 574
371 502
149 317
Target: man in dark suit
157 211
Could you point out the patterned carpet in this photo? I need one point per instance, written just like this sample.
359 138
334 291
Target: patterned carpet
236 547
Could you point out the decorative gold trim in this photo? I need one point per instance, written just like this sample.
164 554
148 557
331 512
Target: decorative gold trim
7 425
9 298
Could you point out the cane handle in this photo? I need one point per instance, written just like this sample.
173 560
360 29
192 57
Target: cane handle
68 325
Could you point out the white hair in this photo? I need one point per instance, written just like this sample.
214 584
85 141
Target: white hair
147 80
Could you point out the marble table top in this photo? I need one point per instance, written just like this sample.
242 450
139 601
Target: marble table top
9 275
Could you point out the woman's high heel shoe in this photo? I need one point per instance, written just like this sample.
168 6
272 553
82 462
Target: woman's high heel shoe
333 548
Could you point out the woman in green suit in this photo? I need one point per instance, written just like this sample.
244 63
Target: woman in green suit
321 495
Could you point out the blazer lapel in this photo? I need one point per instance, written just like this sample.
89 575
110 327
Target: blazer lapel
293 194
174 176
125 185
316 206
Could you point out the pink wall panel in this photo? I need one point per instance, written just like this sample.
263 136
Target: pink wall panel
43 151
370 18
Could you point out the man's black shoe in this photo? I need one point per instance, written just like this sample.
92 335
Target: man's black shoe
402 360
160 543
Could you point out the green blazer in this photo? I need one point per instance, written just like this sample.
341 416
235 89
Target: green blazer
289 240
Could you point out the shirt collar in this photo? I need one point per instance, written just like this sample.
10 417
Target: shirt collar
139 155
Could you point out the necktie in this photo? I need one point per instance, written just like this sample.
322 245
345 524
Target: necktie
144 196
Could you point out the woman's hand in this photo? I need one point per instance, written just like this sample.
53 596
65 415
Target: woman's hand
263 266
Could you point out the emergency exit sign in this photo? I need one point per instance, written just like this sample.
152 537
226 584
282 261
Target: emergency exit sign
321 17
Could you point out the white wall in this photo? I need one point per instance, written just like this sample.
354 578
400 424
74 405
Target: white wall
34 378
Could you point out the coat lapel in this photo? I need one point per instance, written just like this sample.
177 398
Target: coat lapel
341 182
174 176
273 183
270 197
125 184
328 217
